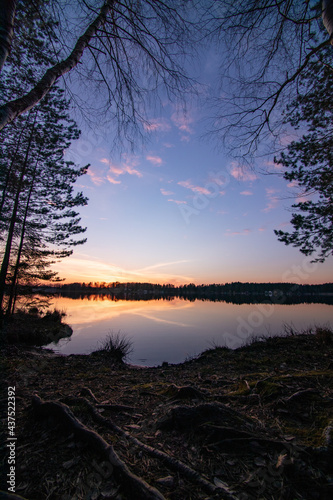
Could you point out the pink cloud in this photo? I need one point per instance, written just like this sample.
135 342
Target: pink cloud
183 122
178 202
284 224
116 170
293 184
131 171
157 125
95 177
241 173
273 200
166 193
246 193
112 180
302 198
220 181
155 160
127 167
270 191
238 233
196 189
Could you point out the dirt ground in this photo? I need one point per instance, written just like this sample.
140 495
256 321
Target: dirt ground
251 423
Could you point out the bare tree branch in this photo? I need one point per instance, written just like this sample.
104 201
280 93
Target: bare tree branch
267 45
10 110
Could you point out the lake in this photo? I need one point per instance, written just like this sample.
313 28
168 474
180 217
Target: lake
175 329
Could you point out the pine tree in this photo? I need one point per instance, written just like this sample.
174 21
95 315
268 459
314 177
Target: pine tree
38 221
309 162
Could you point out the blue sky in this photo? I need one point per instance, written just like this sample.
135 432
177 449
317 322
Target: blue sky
180 210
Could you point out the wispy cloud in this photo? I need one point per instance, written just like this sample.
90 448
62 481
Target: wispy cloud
241 173
283 224
246 193
302 198
112 180
272 199
245 232
196 189
155 160
178 202
95 176
183 122
293 184
162 264
157 125
166 193
83 268
126 167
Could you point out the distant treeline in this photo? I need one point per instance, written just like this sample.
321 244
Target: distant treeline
243 291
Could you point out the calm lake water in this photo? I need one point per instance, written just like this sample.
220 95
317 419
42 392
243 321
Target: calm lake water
173 330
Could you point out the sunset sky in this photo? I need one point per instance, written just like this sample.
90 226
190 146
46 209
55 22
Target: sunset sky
179 210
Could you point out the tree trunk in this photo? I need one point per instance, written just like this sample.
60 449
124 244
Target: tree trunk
4 191
10 236
12 109
327 15
20 248
7 15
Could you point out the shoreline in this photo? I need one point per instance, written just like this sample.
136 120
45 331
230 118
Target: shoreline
231 416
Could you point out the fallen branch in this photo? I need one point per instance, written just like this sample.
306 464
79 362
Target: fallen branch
169 461
132 484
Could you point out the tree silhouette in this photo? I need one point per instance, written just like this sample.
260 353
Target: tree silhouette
38 221
267 46
309 163
134 50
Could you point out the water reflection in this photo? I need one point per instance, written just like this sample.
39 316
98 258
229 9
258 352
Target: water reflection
172 329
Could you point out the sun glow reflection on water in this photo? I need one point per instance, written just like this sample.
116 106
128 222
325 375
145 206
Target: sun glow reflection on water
173 330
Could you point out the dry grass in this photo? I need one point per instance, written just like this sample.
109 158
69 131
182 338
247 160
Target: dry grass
116 346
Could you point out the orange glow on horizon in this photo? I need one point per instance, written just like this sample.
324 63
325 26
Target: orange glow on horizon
84 269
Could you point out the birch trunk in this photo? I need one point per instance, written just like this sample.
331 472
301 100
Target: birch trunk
327 15
12 109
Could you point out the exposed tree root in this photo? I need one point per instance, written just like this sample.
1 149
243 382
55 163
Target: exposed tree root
172 463
132 484
6 495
